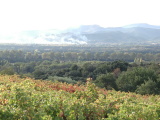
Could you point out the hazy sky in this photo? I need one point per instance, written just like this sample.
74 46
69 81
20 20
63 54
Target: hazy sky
47 14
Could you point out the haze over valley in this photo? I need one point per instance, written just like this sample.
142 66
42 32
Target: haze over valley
79 22
141 33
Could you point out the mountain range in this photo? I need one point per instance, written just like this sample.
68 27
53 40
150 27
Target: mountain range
140 33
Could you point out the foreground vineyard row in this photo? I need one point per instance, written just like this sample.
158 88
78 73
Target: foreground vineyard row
28 99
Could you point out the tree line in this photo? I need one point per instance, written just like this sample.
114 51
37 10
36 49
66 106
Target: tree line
133 69
13 56
117 75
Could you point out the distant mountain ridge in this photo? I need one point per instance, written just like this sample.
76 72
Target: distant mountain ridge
130 34
140 33
143 25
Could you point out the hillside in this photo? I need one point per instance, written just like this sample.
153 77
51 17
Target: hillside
88 34
25 98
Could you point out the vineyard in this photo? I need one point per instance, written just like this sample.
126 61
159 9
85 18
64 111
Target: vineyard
28 99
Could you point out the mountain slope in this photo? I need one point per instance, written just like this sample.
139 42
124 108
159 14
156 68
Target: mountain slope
88 34
143 25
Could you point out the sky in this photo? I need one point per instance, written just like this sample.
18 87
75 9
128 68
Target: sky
17 15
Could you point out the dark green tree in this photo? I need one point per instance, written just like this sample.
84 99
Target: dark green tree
148 87
106 81
133 79
120 64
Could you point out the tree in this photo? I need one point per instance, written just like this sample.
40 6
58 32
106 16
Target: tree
104 56
74 67
28 56
52 55
106 81
132 79
157 57
97 56
36 56
89 56
148 87
102 69
113 56
149 57
120 64
89 67
81 56
46 56
39 74
7 71
58 56
27 67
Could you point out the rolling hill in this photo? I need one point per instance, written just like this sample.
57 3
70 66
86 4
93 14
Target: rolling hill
88 34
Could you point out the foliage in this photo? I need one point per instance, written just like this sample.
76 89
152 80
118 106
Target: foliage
7 71
62 79
138 79
120 64
44 100
106 81
27 53
107 65
148 87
